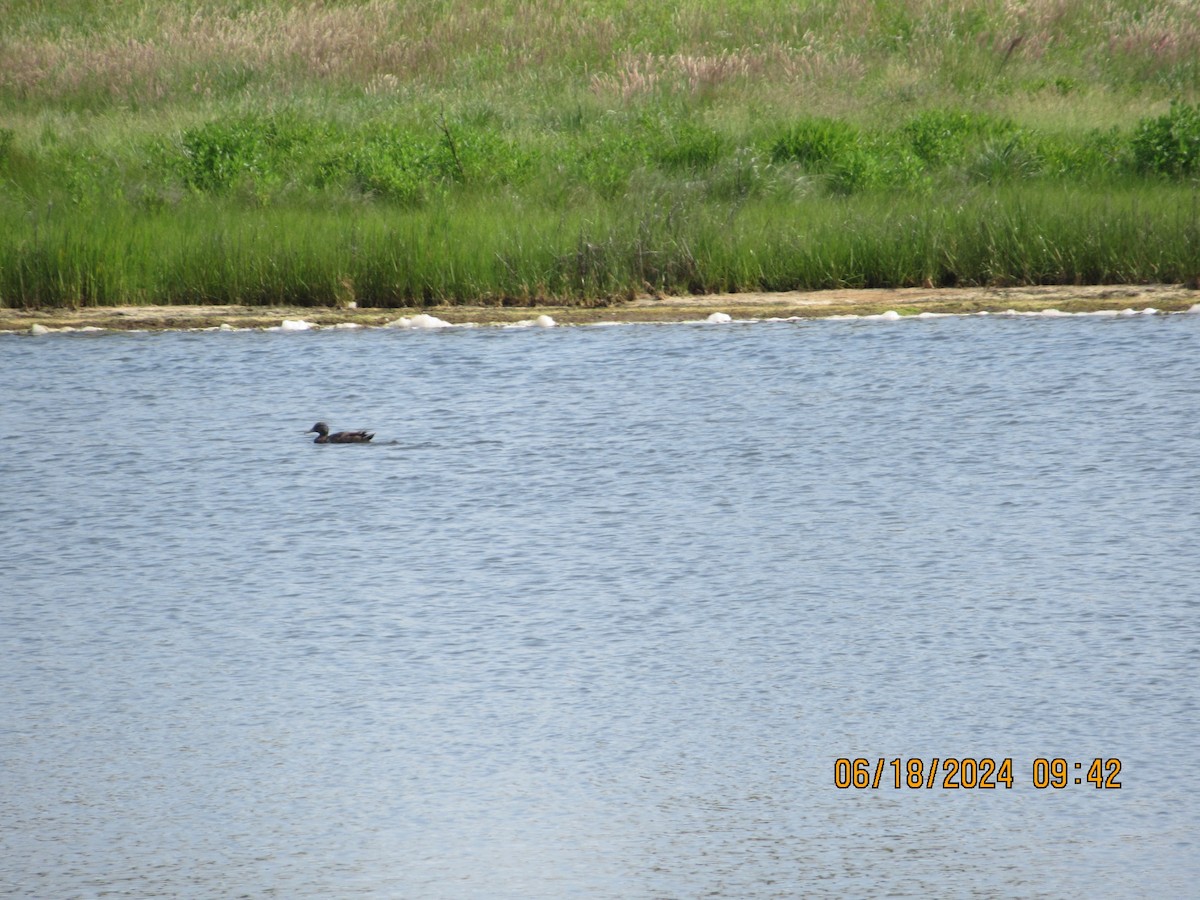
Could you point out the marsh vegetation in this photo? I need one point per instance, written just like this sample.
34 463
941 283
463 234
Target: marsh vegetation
319 153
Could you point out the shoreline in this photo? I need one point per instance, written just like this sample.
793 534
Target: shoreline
792 304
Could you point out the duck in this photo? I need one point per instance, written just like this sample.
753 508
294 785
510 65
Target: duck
338 437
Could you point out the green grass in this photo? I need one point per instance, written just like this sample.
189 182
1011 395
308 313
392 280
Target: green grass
475 249
461 151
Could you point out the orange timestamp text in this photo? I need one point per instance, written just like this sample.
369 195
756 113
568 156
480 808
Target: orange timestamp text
971 773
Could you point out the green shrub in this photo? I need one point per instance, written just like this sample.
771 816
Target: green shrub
941 137
816 143
689 147
1095 154
403 164
219 154
388 163
855 170
602 160
1169 144
479 154
876 165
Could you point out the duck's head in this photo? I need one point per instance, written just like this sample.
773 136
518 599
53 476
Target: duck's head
320 428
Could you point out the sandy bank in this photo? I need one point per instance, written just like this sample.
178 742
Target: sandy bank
812 304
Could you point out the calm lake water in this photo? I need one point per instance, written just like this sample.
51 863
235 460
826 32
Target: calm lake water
598 610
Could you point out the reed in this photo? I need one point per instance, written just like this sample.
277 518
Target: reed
519 152
472 251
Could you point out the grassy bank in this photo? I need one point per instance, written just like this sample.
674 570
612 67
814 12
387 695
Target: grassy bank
315 154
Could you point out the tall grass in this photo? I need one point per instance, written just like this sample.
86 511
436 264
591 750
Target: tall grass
256 151
481 250
147 53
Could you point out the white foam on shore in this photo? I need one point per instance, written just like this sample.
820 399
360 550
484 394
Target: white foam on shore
424 321
542 321
293 325
420 320
1059 314
39 329
890 316
893 316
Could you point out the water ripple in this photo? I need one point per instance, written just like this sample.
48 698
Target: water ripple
599 608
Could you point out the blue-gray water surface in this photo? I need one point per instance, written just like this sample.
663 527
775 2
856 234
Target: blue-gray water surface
599 609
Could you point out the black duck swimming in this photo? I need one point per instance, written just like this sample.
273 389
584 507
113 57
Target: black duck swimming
338 437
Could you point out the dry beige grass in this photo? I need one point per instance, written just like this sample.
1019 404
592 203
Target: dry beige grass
166 50
155 52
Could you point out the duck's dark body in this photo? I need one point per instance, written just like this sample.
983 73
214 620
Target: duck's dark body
339 437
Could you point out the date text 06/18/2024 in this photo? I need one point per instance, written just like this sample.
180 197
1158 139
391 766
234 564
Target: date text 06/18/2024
983 773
